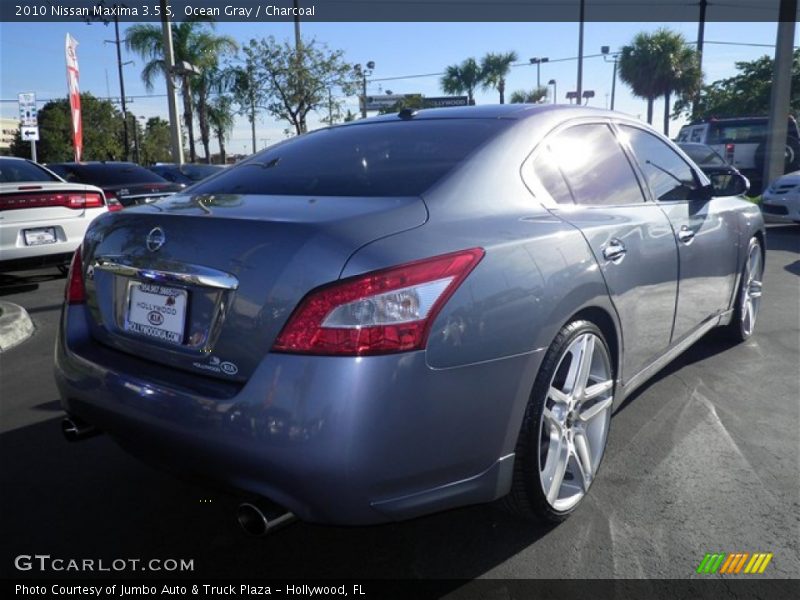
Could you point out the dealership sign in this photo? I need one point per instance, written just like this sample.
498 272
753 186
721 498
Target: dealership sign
442 101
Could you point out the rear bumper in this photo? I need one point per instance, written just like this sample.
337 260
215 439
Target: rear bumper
69 235
335 440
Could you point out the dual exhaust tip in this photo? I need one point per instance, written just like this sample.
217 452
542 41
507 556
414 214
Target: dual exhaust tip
75 430
257 518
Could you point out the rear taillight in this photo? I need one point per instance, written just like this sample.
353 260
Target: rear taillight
112 202
42 200
382 312
729 149
76 292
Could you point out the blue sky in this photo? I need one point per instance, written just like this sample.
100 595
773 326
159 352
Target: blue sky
32 59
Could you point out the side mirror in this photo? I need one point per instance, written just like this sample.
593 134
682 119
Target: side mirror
729 184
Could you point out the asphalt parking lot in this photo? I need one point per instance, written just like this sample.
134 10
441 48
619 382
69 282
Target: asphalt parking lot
705 458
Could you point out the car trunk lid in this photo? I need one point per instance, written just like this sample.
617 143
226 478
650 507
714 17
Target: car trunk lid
222 273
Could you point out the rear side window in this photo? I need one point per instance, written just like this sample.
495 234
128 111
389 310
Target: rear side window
549 175
668 175
20 171
594 165
739 133
397 158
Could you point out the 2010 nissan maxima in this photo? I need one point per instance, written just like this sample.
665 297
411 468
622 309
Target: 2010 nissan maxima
405 314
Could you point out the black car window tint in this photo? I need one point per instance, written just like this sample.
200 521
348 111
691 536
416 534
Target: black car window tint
18 171
668 175
595 167
391 158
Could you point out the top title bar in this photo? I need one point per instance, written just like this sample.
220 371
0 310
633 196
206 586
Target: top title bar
30 11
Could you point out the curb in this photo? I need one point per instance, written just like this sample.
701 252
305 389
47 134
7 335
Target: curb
15 325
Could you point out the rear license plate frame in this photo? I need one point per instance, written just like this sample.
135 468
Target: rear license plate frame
170 305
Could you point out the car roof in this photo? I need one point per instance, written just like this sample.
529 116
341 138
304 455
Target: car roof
490 111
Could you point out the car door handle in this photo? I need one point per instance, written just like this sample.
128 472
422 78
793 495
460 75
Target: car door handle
685 235
614 251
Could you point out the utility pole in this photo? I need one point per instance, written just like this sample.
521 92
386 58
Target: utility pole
172 99
774 162
121 87
701 34
580 50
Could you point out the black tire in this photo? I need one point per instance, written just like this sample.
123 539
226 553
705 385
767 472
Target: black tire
527 497
737 330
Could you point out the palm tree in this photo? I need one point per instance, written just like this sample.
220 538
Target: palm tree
659 64
644 68
462 79
534 96
683 69
220 117
494 70
192 43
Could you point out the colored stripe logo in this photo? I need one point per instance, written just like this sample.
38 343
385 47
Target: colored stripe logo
734 563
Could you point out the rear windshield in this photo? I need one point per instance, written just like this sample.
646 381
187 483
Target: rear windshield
704 156
18 171
108 174
740 133
398 158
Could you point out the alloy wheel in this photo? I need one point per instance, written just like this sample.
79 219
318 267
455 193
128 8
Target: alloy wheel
751 290
575 420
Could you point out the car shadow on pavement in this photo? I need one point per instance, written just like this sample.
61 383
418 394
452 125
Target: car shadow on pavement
785 238
18 284
90 499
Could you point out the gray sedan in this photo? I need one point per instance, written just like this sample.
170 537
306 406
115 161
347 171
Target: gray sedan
405 314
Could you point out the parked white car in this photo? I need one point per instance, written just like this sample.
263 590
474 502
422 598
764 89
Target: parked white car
781 200
42 217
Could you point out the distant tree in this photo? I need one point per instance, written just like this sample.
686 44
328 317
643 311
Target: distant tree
221 117
534 96
412 101
643 67
462 79
495 69
246 90
295 81
102 132
746 93
156 142
658 64
210 79
193 42
350 116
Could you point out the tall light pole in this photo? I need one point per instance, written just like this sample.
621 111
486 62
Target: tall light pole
580 50
363 72
538 60
172 99
606 51
555 90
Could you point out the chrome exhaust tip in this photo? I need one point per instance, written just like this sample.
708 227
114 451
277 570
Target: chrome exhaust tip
75 430
260 518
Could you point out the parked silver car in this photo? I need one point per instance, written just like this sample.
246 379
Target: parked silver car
405 314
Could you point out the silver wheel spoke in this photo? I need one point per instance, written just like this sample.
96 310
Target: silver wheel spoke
583 458
559 461
558 396
552 421
754 289
585 363
598 389
595 409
